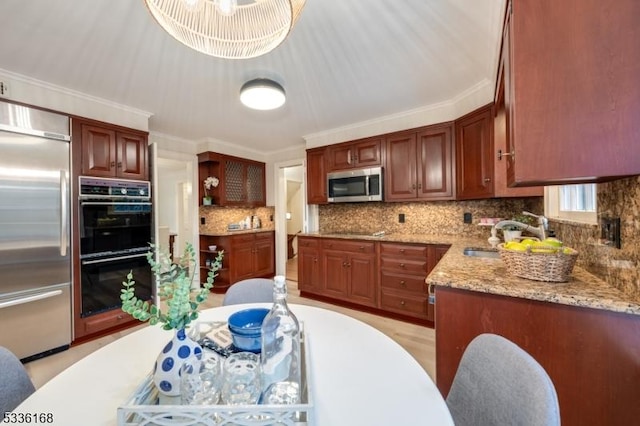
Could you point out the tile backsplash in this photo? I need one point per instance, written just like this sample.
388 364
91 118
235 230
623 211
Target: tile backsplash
217 218
619 267
440 217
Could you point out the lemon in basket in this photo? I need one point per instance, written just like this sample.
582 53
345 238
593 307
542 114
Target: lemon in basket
542 247
554 242
515 246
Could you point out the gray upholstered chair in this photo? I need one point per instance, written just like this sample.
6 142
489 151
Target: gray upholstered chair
253 290
15 384
498 383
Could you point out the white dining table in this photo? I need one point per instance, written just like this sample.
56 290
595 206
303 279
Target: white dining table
360 376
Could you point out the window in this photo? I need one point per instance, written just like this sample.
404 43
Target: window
576 203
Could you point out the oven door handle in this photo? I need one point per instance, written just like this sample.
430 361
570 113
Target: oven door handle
111 259
111 203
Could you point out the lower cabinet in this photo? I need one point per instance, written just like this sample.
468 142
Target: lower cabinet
591 355
350 271
246 256
403 268
382 277
310 273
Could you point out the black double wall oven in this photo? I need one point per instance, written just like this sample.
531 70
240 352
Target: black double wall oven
115 232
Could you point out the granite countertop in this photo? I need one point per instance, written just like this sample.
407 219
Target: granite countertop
488 275
238 232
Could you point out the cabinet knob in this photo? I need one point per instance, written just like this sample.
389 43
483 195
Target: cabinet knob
315 259
402 303
413 186
402 251
487 180
402 265
419 186
361 248
119 164
113 164
403 284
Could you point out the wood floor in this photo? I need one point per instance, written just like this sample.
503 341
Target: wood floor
419 341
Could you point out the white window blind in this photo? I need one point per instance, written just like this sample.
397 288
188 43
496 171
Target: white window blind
576 203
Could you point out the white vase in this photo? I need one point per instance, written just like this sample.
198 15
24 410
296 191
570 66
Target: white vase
511 235
166 373
206 201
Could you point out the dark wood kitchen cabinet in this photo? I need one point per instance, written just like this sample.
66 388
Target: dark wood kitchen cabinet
419 164
317 176
386 278
355 154
501 144
242 181
591 355
246 255
309 265
474 155
403 268
350 271
111 151
571 90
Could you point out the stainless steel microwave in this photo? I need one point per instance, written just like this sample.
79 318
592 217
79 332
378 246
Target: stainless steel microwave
355 185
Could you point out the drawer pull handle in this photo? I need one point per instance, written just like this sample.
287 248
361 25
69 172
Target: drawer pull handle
401 250
361 247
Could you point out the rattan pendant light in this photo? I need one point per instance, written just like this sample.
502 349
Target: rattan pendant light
232 29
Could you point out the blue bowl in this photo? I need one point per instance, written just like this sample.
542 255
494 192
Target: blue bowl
245 327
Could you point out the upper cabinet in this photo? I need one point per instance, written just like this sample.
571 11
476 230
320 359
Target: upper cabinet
419 164
571 90
242 181
356 154
501 148
111 151
317 176
474 155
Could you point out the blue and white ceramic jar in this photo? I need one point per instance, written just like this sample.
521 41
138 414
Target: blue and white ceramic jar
166 373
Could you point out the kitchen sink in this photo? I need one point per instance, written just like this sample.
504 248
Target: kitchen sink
481 252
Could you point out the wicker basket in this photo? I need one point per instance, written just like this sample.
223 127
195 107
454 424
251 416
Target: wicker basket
550 267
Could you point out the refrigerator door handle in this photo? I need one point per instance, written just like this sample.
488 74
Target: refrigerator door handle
30 299
64 220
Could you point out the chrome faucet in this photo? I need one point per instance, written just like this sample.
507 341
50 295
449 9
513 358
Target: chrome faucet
539 231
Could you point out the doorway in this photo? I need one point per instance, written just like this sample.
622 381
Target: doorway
176 215
290 216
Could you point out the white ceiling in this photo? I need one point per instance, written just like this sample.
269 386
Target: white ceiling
345 62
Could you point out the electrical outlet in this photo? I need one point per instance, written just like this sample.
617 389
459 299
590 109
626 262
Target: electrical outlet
467 218
610 233
4 89
202 221
401 218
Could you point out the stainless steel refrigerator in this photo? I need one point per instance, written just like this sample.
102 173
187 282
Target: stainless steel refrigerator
35 260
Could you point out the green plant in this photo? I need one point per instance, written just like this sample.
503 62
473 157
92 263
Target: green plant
174 288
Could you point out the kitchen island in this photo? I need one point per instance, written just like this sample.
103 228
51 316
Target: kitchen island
585 333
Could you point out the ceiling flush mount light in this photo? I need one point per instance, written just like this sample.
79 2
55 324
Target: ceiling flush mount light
262 94
231 29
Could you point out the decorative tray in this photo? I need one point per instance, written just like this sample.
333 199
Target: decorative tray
145 408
